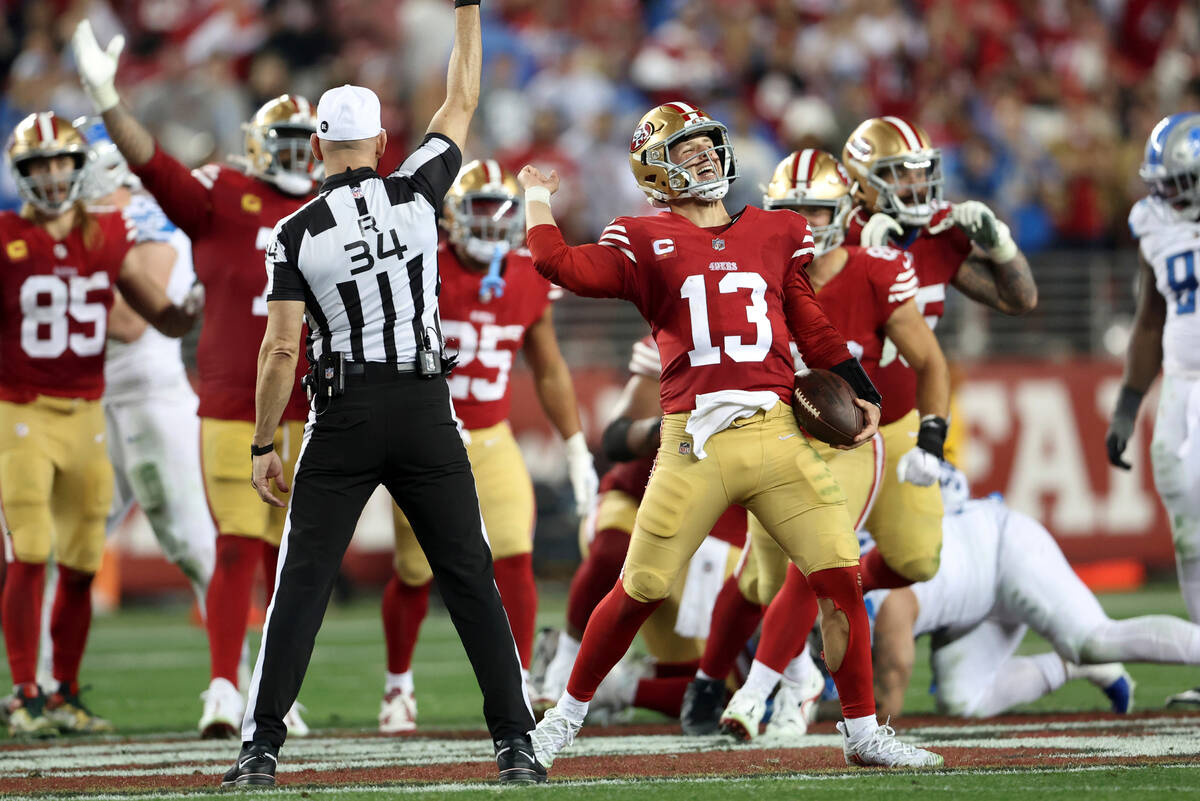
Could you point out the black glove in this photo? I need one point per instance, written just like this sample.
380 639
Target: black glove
931 437
1120 429
858 380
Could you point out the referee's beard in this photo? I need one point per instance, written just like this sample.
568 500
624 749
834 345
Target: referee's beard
350 154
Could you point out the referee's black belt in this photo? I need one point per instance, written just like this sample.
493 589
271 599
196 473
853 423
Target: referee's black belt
377 371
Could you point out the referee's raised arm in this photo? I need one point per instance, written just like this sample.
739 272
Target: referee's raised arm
462 79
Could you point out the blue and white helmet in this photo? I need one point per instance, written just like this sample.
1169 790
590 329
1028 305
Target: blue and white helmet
1171 166
106 169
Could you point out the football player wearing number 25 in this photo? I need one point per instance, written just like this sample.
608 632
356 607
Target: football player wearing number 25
58 268
492 304
724 295
228 213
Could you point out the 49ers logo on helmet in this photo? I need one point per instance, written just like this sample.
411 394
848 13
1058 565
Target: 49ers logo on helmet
641 136
859 148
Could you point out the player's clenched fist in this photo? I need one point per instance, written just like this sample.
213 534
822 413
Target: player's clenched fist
531 176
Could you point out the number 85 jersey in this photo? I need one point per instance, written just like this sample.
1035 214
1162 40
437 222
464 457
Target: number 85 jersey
1172 249
54 303
487 334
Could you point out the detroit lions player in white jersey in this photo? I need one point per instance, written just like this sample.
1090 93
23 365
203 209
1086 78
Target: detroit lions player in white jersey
153 431
1166 333
1002 574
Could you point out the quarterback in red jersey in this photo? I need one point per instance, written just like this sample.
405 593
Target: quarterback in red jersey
724 297
897 186
870 295
229 214
492 305
58 268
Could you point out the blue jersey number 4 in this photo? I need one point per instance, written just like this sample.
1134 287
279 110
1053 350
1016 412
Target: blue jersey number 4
1181 275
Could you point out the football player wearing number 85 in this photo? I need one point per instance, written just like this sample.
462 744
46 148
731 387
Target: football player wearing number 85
493 303
228 212
724 295
1166 335
58 268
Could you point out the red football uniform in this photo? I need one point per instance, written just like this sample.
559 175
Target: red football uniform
722 303
938 250
54 302
229 216
487 335
631 477
860 299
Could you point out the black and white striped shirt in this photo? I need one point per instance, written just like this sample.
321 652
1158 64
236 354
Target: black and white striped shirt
362 255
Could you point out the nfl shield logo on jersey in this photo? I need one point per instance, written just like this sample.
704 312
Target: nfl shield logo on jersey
685 448
718 244
356 192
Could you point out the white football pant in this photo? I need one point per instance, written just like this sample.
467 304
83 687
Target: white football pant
1175 454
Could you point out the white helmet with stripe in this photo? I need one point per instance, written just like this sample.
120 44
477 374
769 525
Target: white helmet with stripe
650 154
896 169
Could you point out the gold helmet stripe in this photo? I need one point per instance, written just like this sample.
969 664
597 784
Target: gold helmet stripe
910 136
46 127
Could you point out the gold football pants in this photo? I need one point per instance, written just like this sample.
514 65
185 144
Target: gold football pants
236 507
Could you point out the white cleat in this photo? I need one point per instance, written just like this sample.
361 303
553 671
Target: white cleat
1186 698
795 707
743 714
223 710
398 712
881 749
296 727
553 684
554 732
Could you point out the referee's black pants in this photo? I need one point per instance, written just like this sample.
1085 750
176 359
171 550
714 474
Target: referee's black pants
396 430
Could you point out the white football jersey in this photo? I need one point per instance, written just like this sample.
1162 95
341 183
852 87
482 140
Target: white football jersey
132 369
1172 248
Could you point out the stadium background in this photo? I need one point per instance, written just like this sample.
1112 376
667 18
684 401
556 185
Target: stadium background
1041 109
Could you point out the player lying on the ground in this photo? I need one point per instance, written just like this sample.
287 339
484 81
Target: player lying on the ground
674 634
724 295
492 304
1165 335
1002 574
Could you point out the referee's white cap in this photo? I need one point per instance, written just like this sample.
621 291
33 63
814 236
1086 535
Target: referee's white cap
348 112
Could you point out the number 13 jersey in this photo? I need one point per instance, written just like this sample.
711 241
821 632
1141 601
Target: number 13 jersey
1172 249
488 334
54 303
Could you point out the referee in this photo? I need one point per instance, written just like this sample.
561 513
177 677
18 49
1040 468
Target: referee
359 260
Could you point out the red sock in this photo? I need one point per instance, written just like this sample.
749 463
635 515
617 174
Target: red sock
854 679
227 605
670 670
876 575
607 637
70 620
734 620
514 579
662 695
595 577
270 562
21 610
788 621
404 609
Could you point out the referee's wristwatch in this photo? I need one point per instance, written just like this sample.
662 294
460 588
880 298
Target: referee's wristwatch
261 450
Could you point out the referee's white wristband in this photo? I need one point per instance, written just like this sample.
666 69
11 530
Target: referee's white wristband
537 194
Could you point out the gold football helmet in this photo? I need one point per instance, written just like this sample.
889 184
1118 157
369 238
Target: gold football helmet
809 179
484 210
896 169
650 154
45 135
277 148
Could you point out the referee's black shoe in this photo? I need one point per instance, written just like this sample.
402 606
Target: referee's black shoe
255 767
518 765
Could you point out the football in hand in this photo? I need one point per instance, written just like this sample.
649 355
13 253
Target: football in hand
824 407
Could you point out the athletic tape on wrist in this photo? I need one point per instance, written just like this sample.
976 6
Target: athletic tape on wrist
538 194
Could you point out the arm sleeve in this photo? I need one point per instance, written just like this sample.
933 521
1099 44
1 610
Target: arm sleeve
593 271
184 196
284 279
820 344
432 168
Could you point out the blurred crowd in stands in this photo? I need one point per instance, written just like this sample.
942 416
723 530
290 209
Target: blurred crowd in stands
1041 106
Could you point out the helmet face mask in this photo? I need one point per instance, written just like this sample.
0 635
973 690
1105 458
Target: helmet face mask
896 169
484 211
277 144
1171 167
664 179
908 187
810 182
47 157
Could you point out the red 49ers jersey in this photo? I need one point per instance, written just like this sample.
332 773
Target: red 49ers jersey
54 302
229 216
938 250
487 335
860 299
722 307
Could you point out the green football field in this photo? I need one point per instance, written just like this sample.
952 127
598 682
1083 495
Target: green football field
147 665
